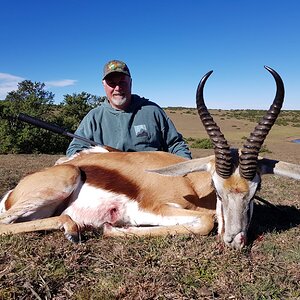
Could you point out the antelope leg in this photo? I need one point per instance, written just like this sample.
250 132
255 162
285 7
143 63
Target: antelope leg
64 222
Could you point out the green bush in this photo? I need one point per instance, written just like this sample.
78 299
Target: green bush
32 99
205 143
264 149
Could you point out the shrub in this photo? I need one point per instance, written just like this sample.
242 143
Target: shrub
264 149
202 144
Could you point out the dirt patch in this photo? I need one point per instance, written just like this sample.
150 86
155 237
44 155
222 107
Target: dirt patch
278 142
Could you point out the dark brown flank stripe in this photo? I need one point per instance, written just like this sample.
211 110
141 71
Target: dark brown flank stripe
110 180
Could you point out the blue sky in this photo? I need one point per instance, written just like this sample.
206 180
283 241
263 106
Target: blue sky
168 46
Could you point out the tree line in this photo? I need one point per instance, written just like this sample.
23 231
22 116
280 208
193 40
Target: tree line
32 99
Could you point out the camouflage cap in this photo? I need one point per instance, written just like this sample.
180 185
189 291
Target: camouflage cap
115 66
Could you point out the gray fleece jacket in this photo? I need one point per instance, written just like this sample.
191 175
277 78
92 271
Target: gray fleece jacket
144 126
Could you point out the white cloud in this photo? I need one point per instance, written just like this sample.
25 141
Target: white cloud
60 83
8 83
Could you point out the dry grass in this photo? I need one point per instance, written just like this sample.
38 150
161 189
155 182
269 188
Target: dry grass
45 265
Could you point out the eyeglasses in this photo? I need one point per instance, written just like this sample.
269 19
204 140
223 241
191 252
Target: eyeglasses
113 83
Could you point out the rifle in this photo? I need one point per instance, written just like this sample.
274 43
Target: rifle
54 128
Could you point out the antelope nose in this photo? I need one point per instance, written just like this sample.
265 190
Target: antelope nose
228 239
235 241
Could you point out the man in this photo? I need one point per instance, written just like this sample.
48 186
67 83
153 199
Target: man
127 121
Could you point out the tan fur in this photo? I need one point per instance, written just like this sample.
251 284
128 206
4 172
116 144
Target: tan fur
236 184
125 172
119 172
48 182
203 229
59 222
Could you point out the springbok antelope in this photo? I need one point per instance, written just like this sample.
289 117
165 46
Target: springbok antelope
124 193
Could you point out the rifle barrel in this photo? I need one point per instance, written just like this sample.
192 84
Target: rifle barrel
54 128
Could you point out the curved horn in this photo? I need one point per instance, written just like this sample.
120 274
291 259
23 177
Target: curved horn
221 147
249 153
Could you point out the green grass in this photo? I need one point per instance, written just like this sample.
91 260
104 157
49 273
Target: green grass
205 143
286 117
45 265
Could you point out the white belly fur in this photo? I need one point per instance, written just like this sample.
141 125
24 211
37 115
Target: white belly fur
94 207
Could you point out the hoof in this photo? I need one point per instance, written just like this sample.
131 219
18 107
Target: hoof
73 237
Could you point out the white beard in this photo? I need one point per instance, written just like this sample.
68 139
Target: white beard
119 102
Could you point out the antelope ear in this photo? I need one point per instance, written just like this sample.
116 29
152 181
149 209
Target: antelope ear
281 168
186 167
